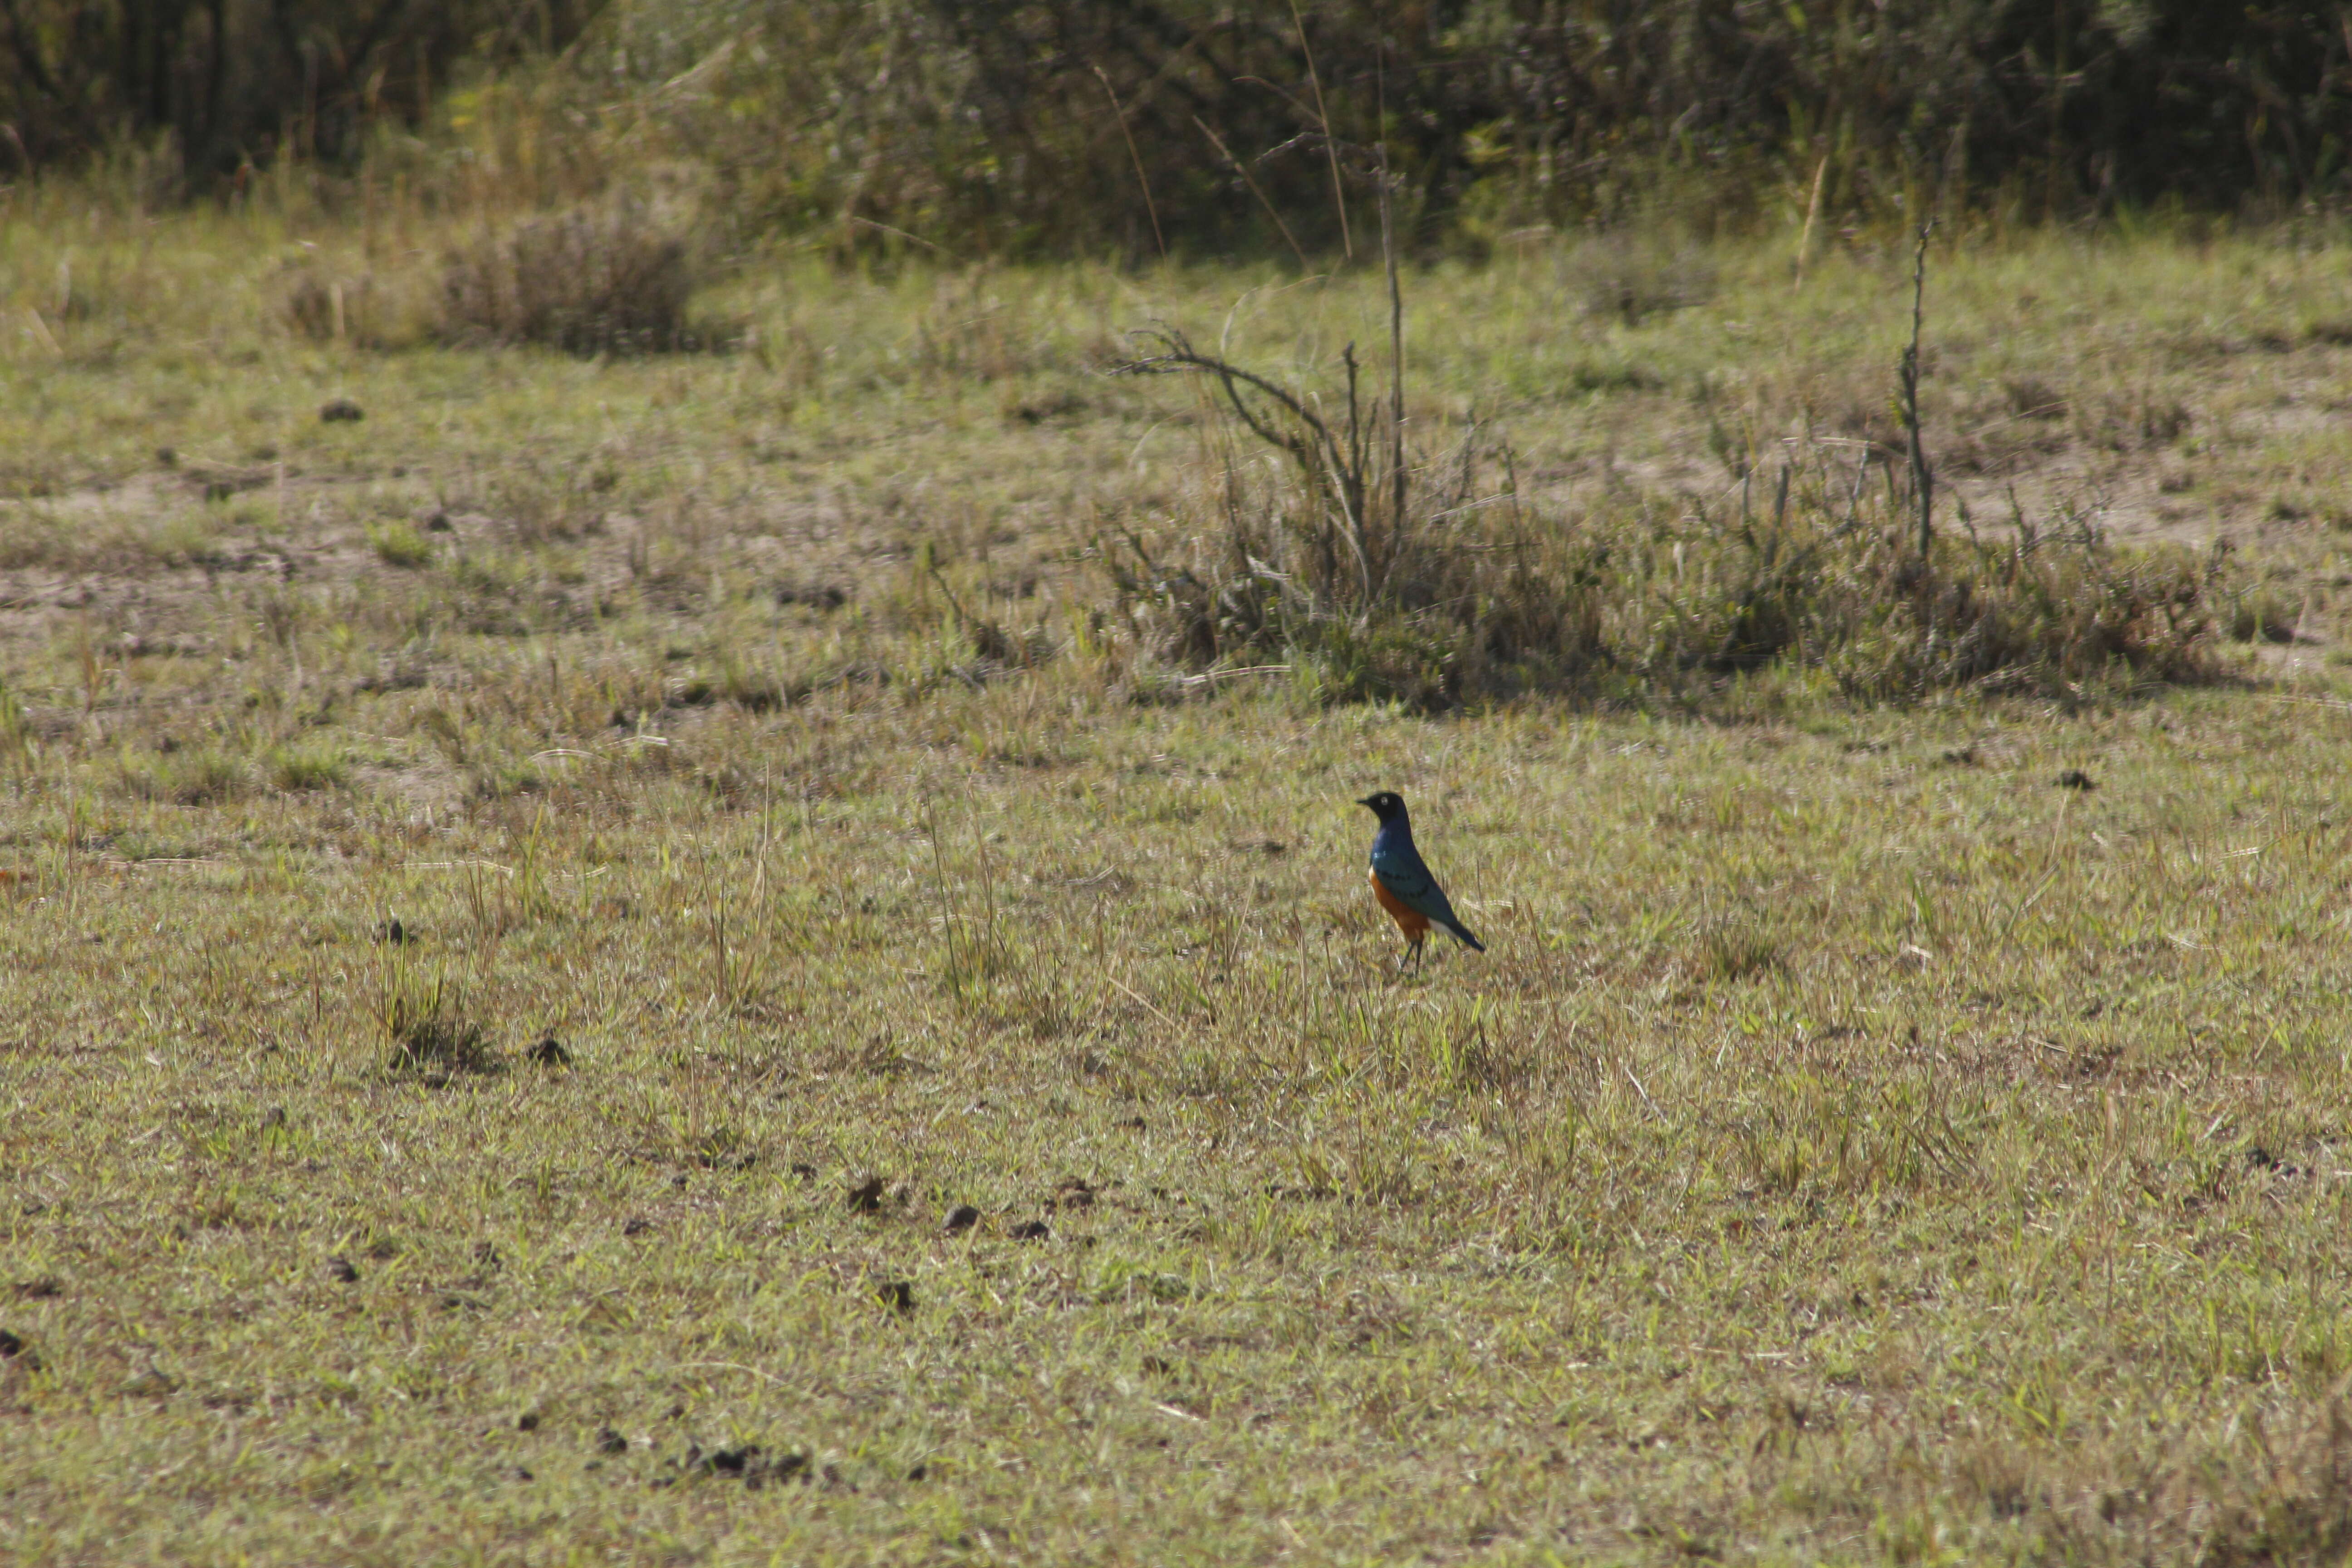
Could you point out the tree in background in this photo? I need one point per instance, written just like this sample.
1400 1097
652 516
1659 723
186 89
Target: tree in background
1011 126
228 82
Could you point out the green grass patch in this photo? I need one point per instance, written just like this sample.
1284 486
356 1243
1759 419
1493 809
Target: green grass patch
310 765
206 775
401 544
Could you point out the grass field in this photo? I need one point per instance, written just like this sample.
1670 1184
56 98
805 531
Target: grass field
982 1121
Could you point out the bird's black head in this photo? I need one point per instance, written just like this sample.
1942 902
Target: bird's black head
1388 805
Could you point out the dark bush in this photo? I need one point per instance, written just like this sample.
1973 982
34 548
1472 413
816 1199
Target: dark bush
1005 125
996 126
601 280
225 81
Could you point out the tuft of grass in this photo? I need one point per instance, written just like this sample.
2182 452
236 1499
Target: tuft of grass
332 296
2025 614
537 506
428 1029
17 740
751 685
2032 397
209 775
184 539
329 309
501 778
401 544
310 765
2262 612
1739 950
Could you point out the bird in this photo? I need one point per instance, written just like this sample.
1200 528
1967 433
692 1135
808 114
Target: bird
1403 885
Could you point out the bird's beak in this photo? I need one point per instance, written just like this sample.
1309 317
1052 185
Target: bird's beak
1366 801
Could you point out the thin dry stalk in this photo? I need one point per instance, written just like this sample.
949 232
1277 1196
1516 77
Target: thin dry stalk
1813 217
1141 180
1251 181
1323 123
1923 479
1396 334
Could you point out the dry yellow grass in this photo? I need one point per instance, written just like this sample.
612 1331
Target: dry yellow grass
985 1124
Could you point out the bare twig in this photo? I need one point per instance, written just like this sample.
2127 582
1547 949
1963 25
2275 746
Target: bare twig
1177 353
1317 451
856 221
1323 123
947 911
1243 170
1210 677
1396 338
1923 479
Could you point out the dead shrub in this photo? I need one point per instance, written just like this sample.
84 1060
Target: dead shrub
1623 604
1632 276
600 278
318 299
2030 613
1383 570
1386 573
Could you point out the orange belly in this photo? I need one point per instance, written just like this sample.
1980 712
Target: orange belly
1410 920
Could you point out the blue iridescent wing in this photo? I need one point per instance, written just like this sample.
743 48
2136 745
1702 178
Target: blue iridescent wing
1403 875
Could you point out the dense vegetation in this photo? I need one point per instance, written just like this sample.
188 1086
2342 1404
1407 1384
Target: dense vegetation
989 126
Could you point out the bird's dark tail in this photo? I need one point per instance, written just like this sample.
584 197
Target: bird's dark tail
1461 934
